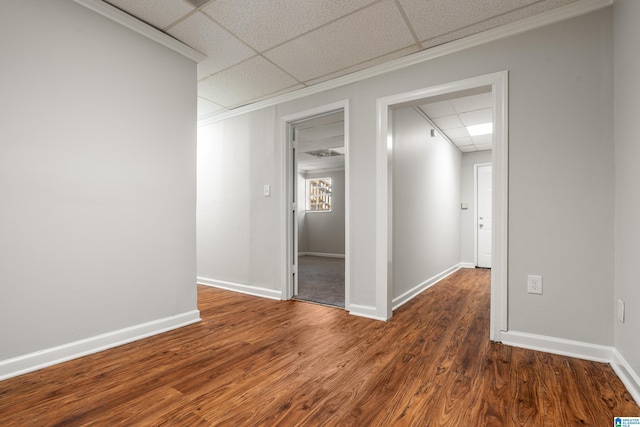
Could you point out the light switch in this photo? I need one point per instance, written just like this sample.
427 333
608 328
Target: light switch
267 190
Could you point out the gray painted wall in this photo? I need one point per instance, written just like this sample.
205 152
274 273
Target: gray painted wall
97 177
324 231
561 177
426 202
627 161
467 190
239 229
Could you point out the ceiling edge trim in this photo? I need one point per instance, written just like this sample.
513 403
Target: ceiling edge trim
572 10
142 28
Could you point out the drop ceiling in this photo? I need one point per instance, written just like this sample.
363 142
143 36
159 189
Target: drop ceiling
258 49
454 112
320 143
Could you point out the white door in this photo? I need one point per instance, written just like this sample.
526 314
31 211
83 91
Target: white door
483 213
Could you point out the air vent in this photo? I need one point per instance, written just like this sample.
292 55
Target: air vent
323 153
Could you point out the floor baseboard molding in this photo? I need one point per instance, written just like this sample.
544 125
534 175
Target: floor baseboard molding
627 375
580 350
467 265
561 346
237 287
369 312
413 292
321 254
52 356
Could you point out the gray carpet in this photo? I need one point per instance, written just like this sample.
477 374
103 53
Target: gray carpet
321 280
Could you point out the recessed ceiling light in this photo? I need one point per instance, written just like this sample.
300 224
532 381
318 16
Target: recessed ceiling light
481 129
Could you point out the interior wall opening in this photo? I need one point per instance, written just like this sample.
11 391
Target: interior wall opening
436 145
319 221
426 140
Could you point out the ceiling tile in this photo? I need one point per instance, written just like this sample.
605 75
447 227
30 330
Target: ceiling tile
317 133
304 146
436 17
467 148
477 117
280 92
482 139
466 140
343 43
204 35
207 107
458 133
317 164
287 19
367 64
197 3
438 109
247 81
484 146
327 143
448 122
333 142
493 22
472 102
158 13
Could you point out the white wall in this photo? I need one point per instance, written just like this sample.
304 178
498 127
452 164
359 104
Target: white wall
561 180
627 161
324 231
426 202
239 229
467 190
561 176
97 179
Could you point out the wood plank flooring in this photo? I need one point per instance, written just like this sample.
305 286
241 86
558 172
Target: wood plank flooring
258 362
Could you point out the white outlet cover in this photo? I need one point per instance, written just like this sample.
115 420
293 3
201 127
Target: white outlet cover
534 284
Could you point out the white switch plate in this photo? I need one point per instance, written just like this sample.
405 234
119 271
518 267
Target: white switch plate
621 310
534 284
267 190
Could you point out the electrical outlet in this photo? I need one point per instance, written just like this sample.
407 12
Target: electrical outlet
534 284
621 310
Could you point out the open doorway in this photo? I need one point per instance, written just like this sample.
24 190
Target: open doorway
435 147
387 297
318 186
465 120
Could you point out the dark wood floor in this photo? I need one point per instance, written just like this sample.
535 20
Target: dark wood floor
255 361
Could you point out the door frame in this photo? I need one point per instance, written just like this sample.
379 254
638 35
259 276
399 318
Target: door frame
384 195
290 236
475 209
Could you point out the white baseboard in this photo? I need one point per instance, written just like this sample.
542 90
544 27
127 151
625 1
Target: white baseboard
563 347
467 265
51 356
580 350
245 289
321 254
627 375
411 293
367 311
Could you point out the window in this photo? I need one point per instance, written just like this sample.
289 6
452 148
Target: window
319 195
